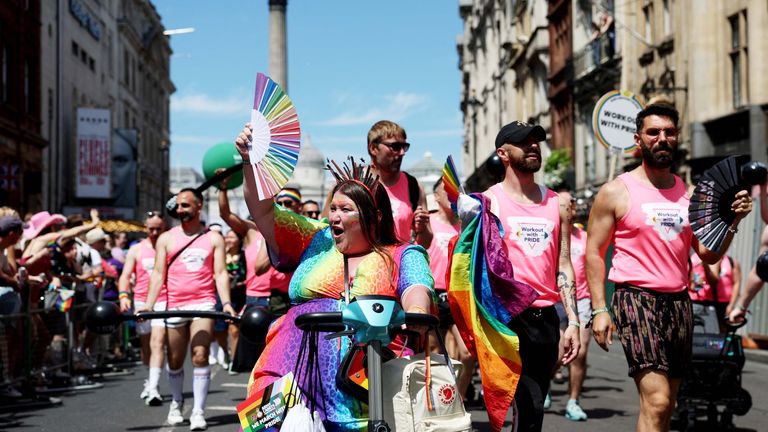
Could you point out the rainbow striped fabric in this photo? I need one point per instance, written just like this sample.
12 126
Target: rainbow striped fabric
484 297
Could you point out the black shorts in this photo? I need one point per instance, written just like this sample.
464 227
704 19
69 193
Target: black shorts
656 329
444 310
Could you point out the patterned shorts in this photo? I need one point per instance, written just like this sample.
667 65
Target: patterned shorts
656 329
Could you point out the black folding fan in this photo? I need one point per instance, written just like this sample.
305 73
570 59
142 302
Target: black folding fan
710 211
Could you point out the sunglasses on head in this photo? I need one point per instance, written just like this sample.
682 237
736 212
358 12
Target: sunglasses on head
153 213
397 146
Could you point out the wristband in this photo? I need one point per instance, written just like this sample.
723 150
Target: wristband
123 295
598 311
574 323
246 161
732 230
226 303
740 306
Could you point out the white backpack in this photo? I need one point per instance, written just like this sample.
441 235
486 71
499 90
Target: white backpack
405 399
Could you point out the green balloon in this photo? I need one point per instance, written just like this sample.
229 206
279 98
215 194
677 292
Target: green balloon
223 155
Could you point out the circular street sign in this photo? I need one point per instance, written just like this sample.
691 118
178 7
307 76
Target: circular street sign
613 120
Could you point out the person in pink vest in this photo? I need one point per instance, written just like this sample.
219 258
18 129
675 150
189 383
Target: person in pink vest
387 148
754 283
578 368
139 264
537 232
190 262
715 285
644 213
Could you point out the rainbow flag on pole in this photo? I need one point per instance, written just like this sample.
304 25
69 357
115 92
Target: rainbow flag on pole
64 300
484 297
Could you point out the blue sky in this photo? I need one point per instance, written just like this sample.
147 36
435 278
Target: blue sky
350 63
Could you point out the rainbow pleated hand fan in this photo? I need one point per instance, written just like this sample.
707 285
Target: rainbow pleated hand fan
275 139
451 182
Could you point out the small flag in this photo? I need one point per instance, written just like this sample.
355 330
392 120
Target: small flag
64 301
451 182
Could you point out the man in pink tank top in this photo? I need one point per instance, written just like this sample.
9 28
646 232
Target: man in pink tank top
644 213
387 148
537 227
754 283
139 264
190 261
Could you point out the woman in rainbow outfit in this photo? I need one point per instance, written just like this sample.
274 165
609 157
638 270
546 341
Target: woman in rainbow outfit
358 239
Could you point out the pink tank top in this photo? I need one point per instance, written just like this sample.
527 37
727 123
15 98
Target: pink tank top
145 262
255 285
579 261
279 281
190 276
651 241
438 250
402 212
700 288
531 234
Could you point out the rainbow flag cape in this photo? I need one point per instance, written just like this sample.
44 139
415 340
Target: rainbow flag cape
484 297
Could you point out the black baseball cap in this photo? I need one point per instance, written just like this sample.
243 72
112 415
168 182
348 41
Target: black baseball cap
518 131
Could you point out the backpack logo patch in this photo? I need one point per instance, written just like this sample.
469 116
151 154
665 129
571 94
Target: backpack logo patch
447 394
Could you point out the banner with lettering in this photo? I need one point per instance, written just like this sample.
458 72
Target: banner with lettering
93 153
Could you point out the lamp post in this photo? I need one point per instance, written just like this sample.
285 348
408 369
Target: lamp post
165 147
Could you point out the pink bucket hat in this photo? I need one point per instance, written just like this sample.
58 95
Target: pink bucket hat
41 221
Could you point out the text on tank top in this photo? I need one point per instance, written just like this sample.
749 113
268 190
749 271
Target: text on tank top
145 263
402 212
438 251
190 277
700 290
255 285
579 261
532 237
651 241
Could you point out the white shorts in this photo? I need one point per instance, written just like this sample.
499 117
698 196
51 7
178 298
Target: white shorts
584 307
144 327
179 322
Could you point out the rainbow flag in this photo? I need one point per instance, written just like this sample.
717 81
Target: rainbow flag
451 182
64 300
484 297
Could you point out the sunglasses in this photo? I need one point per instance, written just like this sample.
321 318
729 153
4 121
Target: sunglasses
397 146
312 213
286 202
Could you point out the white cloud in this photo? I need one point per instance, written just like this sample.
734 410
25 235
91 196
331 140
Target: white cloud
394 107
200 103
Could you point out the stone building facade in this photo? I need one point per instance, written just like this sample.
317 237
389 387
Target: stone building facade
109 55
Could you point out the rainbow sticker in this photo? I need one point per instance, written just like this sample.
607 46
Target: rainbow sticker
267 408
275 139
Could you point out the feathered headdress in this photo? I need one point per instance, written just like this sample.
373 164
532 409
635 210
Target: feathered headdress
360 173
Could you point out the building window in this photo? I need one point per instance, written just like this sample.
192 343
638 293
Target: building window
91 64
667 18
739 59
75 49
648 19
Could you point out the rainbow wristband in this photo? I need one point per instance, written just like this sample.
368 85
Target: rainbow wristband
123 295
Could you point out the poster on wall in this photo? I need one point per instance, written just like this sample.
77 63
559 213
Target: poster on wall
93 153
123 167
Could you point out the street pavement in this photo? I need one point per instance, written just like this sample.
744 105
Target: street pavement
609 399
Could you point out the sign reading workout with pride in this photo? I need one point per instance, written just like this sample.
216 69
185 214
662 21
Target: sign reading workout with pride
613 120
93 153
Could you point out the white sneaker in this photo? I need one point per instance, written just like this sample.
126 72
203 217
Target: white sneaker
174 414
153 398
197 421
145 392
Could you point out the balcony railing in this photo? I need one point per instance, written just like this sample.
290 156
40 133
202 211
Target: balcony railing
597 52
